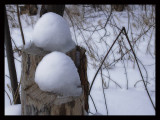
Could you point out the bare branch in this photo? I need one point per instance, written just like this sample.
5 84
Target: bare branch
104 60
20 25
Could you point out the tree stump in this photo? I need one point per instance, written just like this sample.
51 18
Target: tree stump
37 102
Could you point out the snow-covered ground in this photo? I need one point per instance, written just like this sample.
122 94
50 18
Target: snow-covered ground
120 100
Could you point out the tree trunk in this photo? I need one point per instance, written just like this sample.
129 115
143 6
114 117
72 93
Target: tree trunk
37 102
58 9
119 7
11 64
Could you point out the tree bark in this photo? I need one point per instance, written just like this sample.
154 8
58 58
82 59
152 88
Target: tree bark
38 102
11 64
58 9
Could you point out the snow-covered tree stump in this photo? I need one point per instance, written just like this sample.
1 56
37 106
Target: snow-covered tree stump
37 102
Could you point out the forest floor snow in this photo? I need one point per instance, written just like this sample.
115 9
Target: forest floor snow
131 101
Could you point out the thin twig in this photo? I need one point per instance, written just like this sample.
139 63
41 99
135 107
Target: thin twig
15 44
115 61
104 93
140 81
8 97
144 69
125 72
67 11
10 89
112 81
7 76
104 60
91 112
20 25
17 60
107 18
108 77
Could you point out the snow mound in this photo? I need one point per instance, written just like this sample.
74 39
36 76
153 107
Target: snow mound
13 109
58 74
97 113
52 33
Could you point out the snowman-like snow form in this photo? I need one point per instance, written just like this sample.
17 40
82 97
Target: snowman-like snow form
56 72
52 33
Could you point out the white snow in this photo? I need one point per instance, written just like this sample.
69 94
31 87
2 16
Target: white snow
133 101
27 45
122 102
13 109
97 113
52 33
58 74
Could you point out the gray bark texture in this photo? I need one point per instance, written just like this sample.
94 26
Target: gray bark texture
37 102
11 64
